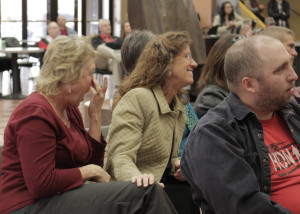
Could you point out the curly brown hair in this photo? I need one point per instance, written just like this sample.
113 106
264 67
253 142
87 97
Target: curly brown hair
153 66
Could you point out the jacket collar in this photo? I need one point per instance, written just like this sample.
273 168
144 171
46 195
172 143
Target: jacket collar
163 104
238 108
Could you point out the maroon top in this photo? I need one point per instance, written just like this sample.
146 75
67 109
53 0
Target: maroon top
41 155
64 32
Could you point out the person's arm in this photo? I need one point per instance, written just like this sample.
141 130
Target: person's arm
125 137
43 44
238 20
287 12
272 11
116 45
213 162
217 22
96 40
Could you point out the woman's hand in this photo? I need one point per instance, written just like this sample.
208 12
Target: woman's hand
145 180
96 102
230 24
97 99
94 173
178 175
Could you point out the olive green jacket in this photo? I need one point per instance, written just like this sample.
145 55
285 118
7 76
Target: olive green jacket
141 133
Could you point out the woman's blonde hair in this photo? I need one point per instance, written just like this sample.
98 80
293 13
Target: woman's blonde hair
64 62
153 66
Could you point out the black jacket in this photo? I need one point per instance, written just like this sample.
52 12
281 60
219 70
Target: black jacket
226 162
116 44
274 12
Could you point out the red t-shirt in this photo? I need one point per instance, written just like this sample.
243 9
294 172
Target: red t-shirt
284 157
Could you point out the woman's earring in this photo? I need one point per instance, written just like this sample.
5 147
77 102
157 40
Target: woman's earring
69 88
169 73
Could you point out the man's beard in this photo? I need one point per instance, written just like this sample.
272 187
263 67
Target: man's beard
270 99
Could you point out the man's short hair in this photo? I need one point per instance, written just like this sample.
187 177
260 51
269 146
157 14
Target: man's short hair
278 32
52 25
269 21
102 20
244 60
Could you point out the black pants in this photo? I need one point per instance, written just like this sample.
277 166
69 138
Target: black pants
181 195
108 198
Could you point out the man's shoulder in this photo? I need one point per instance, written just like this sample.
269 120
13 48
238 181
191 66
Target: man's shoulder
229 111
219 114
214 89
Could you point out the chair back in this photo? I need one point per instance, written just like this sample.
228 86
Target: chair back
105 130
11 42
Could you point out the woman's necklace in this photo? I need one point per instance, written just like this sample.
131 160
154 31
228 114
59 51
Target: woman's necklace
64 116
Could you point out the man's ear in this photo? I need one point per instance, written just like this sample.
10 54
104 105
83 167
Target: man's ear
250 85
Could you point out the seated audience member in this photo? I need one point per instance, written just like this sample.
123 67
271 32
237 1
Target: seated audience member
280 11
63 29
235 4
247 28
149 118
227 20
52 30
243 156
48 154
126 29
287 38
269 22
212 86
132 47
107 57
255 7
131 50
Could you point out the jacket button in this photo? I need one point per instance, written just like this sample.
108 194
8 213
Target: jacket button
291 130
265 188
265 160
259 135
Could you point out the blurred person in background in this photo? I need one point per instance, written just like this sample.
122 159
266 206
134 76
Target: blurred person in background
280 10
255 7
63 29
126 29
53 31
227 20
212 85
108 54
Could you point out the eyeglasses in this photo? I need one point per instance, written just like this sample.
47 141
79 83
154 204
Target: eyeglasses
187 56
237 38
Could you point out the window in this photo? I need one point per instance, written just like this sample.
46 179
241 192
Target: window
67 9
11 18
92 17
37 19
32 25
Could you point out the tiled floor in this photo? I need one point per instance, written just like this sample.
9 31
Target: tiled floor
27 86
